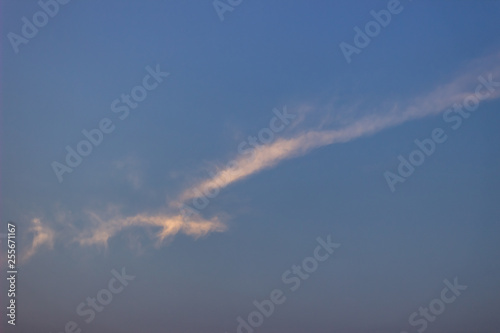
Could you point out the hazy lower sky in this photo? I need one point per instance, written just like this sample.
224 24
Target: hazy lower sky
251 166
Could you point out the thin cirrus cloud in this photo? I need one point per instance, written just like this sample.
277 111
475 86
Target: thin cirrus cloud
43 237
167 225
266 156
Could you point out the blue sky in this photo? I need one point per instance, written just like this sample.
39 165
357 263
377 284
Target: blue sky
323 172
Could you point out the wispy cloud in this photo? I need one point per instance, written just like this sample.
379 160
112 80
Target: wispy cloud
42 236
130 168
167 225
263 157
267 156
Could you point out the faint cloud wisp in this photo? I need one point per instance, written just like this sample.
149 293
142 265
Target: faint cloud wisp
43 236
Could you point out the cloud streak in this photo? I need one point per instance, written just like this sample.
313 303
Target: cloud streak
175 221
267 156
167 225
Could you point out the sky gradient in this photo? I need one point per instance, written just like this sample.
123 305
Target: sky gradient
223 156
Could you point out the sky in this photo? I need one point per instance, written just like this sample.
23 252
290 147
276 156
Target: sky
250 166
